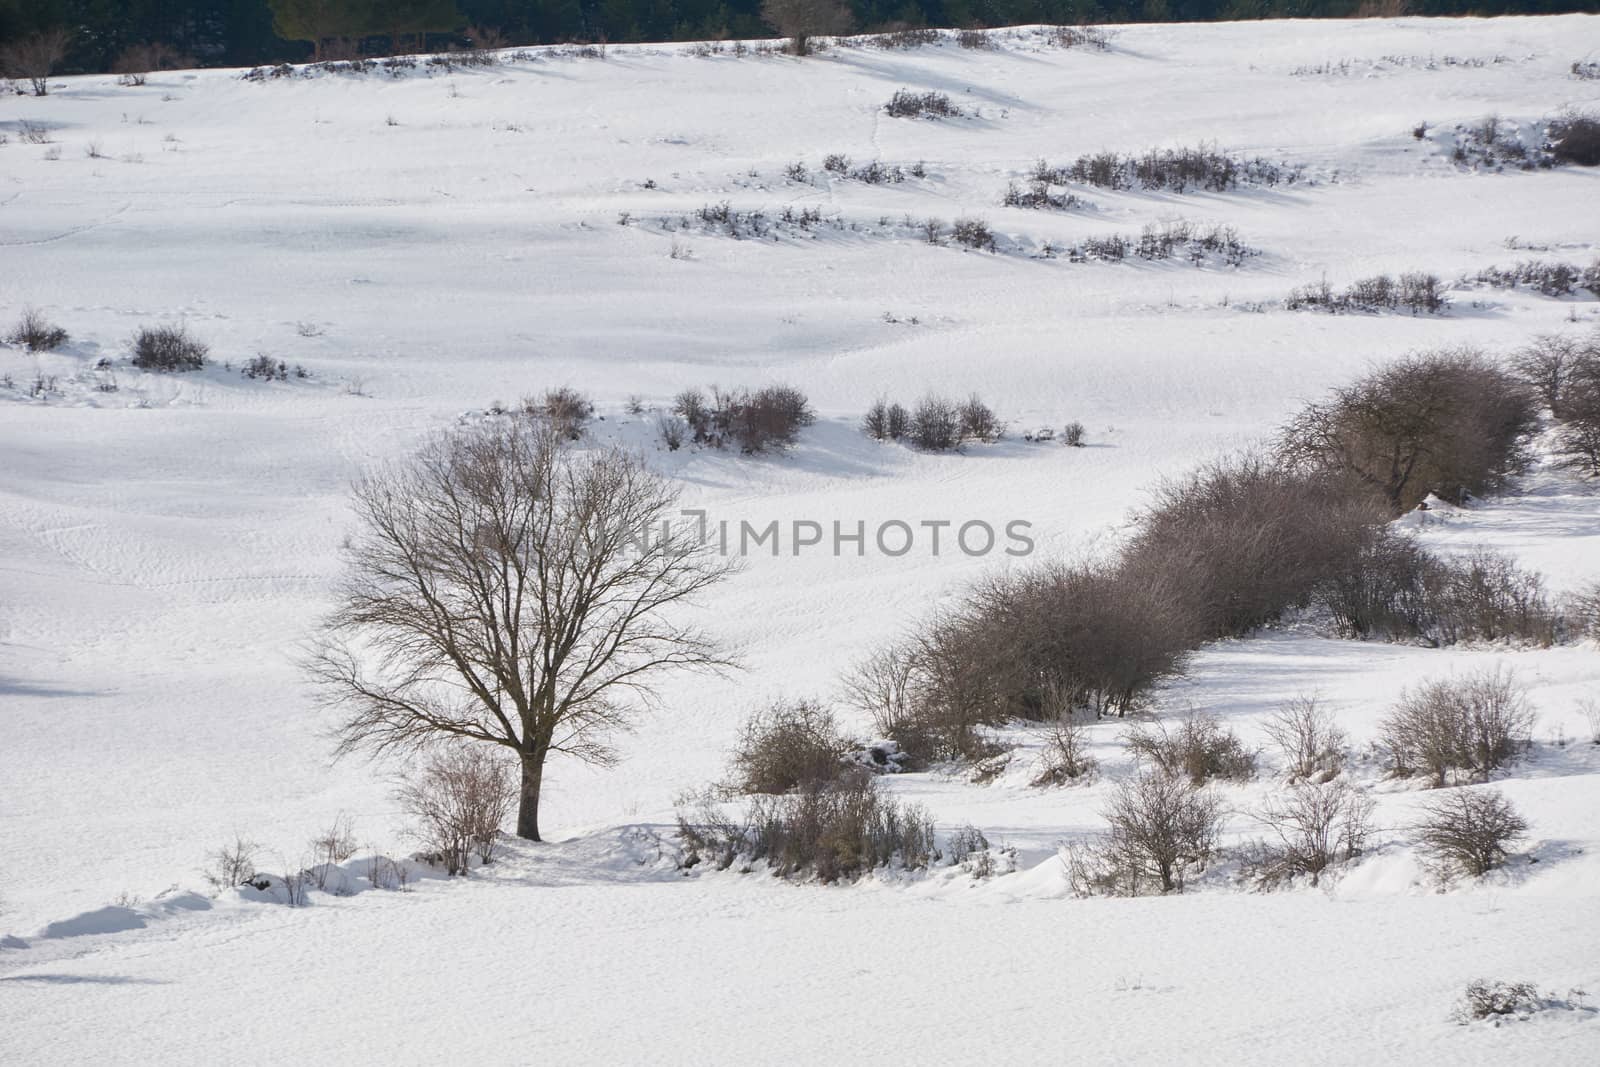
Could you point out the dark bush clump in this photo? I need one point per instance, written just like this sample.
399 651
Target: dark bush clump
265 367
36 333
1241 541
767 420
973 233
1475 724
1448 422
1575 138
906 104
168 348
789 746
935 424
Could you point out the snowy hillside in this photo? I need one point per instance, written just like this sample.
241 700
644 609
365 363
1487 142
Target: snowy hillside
430 244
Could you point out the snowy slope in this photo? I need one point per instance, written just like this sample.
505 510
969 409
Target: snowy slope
425 246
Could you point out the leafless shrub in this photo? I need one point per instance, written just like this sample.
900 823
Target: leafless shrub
672 429
907 104
330 848
789 746
1493 1000
1316 826
935 424
932 230
1072 435
34 57
1065 759
1468 831
232 865
36 333
920 694
767 420
167 348
978 421
296 885
567 410
1586 69
1448 422
1475 724
964 843
459 796
835 834
973 233
1311 741
973 39
265 367
1199 749
1160 827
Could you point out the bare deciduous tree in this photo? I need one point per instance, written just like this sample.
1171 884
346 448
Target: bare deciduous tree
1309 738
33 57
801 20
508 588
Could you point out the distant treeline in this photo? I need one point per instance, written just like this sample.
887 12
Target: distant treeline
248 32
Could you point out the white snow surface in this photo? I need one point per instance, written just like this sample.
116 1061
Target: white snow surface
427 245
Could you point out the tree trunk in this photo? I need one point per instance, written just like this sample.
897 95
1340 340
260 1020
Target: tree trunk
528 802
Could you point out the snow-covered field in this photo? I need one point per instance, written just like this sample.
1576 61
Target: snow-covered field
428 245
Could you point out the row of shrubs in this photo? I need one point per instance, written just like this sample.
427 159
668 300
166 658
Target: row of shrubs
1549 277
768 419
934 424
1172 239
905 104
874 172
1230 548
1176 169
1164 823
1415 291
816 811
